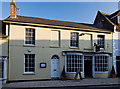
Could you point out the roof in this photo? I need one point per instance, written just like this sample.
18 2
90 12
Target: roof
106 17
2 33
25 19
0 28
114 14
109 16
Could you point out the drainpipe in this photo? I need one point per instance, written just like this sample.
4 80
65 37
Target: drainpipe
8 66
113 49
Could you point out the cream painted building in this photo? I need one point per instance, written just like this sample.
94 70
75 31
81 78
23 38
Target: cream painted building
111 22
40 48
3 54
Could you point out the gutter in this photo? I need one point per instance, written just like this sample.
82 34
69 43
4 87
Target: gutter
89 28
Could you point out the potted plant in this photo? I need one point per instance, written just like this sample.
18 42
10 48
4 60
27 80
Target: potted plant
63 75
113 75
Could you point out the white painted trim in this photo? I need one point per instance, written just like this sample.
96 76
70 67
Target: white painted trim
102 72
108 64
72 72
118 19
93 66
5 70
70 53
31 45
83 68
74 47
29 72
114 29
65 63
101 55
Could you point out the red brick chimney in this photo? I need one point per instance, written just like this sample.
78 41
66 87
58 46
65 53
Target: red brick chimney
13 9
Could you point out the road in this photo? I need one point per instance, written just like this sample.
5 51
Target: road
90 87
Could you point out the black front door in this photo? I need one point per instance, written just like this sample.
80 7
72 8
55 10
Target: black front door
88 68
118 65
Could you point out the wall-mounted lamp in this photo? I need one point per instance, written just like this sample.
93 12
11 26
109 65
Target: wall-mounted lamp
84 34
29 50
81 34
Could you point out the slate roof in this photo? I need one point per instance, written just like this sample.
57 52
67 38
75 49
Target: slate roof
115 13
25 19
2 29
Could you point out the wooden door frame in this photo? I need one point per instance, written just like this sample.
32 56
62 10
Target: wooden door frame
92 64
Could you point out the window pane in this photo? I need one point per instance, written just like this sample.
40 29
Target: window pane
73 63
101 63
29 62
30 36
74 42
100 41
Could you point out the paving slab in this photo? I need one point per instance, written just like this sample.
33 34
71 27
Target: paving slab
65 83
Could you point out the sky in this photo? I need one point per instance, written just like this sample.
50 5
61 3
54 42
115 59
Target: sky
80 12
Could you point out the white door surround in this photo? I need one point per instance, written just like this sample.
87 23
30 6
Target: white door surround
55 65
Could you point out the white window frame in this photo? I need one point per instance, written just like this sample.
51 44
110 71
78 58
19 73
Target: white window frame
118 19
101 40
102 64
25 37
25 67
82 58
77 34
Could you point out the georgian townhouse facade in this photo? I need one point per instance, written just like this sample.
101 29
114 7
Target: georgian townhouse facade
111 22
40 48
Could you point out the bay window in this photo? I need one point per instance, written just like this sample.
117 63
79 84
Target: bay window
74 62
101 63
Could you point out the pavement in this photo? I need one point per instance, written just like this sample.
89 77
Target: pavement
65 83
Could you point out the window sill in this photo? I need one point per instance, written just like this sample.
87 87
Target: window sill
29 74
25 45
54 47
72 72
74 47
102 72
102 48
